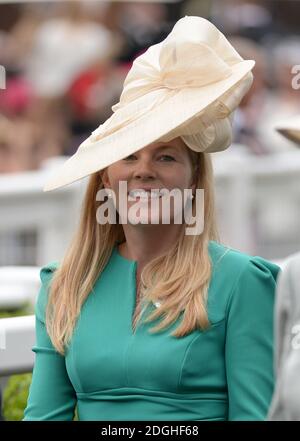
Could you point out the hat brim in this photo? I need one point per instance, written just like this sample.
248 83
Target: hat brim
291 134
149 128
290 129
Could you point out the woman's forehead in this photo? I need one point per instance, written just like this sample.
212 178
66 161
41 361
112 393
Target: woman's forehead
176 144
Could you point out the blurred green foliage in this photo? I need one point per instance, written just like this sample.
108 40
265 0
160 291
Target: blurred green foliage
15 396
26 309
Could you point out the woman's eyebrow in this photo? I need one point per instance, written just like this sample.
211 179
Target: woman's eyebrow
165 147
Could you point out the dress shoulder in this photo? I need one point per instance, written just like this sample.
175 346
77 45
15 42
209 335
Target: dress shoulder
254 288
239 261
264 266
235 273
47 270
46 274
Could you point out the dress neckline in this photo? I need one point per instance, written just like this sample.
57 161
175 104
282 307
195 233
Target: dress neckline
120 256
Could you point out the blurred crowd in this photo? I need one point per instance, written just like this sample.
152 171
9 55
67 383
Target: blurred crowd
66 63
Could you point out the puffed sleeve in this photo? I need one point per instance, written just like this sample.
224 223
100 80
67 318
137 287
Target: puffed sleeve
51 395
249 341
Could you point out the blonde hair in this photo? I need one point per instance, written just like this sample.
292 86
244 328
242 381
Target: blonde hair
178 279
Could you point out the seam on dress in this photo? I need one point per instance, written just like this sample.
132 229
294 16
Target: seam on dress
233 289
132 334
161 393
183 361
188 349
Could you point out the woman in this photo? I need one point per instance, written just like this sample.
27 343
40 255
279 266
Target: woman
285 405
144 320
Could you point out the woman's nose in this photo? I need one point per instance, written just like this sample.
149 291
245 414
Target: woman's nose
144 169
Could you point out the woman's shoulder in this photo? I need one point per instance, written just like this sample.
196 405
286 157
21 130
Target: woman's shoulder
224 257
46 273
47 270
239 277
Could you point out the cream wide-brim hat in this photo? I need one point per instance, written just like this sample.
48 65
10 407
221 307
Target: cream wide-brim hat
188 85
290 128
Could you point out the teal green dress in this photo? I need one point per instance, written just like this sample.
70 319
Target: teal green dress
111 373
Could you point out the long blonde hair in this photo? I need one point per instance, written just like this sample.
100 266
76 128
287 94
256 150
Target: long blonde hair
178 279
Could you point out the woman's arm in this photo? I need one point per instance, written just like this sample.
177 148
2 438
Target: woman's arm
249 341
51 395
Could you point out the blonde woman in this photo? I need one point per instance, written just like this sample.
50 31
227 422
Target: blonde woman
140 320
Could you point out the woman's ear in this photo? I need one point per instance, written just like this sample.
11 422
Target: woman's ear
104 177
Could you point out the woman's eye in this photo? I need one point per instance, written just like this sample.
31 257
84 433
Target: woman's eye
129 157
169 158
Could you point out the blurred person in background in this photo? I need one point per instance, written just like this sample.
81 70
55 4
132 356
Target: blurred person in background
247 18
273 98
18 141
251 109
17 95
91 96
142 24
64 46
283 100
285 405
24 144
44 53
21 35
194 7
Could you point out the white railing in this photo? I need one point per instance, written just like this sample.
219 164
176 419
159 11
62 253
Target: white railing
258 205
19 286
51 215
17 337
258 202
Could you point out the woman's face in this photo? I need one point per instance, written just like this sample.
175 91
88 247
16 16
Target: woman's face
166 165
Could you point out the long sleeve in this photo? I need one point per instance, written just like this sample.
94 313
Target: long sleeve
51 395
249 341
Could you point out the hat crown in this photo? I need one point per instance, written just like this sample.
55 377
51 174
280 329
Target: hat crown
194 54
